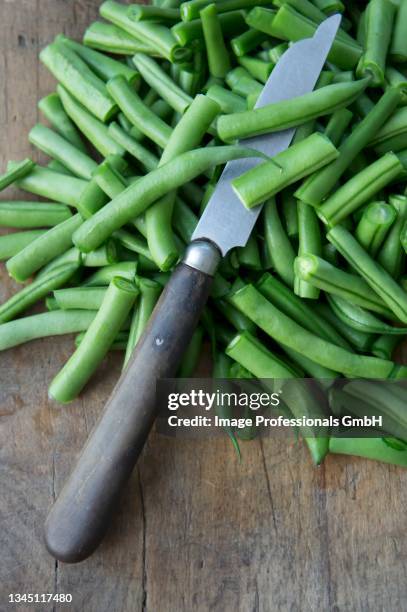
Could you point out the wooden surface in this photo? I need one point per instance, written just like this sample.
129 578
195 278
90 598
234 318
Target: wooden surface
197 531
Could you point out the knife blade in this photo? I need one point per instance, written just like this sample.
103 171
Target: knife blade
81 514
225 221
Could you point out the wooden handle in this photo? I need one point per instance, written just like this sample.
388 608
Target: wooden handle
79 519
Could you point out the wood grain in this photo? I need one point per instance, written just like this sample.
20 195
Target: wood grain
197 530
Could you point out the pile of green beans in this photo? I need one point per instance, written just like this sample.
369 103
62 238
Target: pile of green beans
147 109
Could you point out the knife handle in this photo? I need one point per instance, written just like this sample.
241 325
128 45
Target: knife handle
79 518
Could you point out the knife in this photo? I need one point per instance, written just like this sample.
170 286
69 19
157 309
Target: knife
79 518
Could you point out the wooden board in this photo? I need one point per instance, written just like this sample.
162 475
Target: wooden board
197 530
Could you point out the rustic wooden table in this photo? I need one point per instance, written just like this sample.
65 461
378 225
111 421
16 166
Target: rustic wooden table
196 530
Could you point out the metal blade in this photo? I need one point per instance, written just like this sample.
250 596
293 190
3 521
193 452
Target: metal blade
225 221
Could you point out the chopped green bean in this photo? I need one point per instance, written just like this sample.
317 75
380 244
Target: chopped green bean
289 113
381 282
101 333
94 130
63 151
32 214
52 109
45 248
283 329
35 291
17 172
11 244
77 78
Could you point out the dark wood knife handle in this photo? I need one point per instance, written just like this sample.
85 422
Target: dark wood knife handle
80 516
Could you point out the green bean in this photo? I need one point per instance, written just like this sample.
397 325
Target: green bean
104 276
119 343
105 255
330 6
337 125
94 130
45 248
63 151
228 101
149 294
32 214
360 319
378 28
232 23
393 135
72 255
72 72
17 172
137 112
279 246
376 276
289 213
134 243
283 329
298 310
233 316
52 109
105 67
373 226
315 370
327 277
360 189
147 159
109 180
255 357
241 83
154 34
384 346
378 449
258 68
112 39
246 42
305 8
289 113
141 12
361 341
93 197
53 185
391 255
11 244
266 179
35 291
101 333
155 76
309 243
55 323
315 189
190 10
184 221
186 136
82 298
398 47
140 195
217 53
288 24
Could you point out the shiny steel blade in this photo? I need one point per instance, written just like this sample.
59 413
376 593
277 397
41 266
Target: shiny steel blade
225 221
